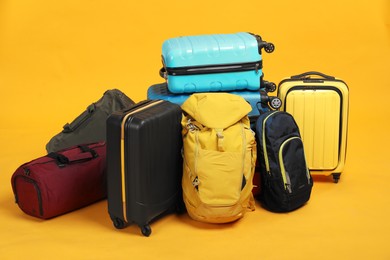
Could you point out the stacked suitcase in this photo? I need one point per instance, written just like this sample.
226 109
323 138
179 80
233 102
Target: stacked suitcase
214 63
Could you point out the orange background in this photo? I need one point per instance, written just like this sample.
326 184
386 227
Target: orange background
57 57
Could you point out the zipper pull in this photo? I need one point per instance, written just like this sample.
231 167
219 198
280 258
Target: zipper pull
190 126
195 182
26 171
288 187
257 66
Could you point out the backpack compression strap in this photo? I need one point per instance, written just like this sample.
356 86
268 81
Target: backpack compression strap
220 139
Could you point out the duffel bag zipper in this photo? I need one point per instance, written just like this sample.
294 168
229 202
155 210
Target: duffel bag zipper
36 187
220 68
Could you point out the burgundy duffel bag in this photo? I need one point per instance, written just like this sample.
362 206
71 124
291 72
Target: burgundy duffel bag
61 182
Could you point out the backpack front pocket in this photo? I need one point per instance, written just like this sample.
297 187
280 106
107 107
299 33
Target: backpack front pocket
220 177
293 167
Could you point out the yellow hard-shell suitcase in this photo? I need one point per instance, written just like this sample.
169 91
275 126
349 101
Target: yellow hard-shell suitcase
319 104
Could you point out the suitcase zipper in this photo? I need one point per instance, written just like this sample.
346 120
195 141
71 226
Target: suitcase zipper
131 111
208 69
36 187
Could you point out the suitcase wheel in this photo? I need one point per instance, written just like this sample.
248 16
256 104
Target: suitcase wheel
275 102
269 86
118 223
269 47
146 230
336 177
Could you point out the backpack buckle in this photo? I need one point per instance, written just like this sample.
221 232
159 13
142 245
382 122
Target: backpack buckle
190 126
220 140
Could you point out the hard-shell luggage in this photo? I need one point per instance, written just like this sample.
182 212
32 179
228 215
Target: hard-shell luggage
90 125
216 62
257 99
319 104
144 163
61 182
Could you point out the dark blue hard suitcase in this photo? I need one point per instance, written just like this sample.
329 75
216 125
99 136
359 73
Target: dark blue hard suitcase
257 99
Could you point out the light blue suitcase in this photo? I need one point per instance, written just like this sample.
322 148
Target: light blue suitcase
217 62
259 100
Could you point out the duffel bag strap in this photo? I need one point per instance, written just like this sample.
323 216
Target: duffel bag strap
62 160
86 149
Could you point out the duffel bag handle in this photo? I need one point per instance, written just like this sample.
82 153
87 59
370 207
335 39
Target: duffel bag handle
62 160
312 73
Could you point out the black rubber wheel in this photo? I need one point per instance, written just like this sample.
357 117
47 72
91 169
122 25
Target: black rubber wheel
270 86
263 97
146 230
118 223
275 102
269 47
336 177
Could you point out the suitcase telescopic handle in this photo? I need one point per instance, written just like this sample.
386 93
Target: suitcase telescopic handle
312 73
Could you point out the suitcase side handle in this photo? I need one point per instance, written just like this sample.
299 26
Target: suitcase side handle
312 73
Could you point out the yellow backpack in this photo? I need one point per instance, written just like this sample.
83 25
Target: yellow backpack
219 151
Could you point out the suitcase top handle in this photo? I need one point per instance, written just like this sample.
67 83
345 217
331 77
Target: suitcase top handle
312 73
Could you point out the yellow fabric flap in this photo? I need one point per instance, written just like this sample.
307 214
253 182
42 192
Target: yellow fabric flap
216 110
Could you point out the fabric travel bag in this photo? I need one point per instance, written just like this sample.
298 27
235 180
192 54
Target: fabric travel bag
61 182
90 126
219 155
216 62
285 179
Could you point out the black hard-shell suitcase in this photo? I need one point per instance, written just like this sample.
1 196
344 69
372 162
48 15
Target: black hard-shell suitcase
144 163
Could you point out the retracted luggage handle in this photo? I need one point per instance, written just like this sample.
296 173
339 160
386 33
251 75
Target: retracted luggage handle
312 73
86 155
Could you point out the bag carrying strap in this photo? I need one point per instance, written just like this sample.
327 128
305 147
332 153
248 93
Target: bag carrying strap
85 155
70 127
220 139
312 73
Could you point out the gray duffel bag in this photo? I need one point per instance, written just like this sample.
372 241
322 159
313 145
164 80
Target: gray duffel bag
90 126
